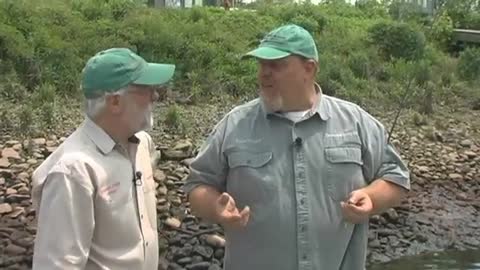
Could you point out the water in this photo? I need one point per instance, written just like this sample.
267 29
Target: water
454 260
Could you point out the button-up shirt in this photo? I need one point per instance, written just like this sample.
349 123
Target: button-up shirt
95 204
293 176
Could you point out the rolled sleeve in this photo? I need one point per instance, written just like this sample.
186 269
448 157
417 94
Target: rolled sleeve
210 166
65 220
380 158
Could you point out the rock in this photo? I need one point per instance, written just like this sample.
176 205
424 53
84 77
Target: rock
183 146
5 208
39 141
17 147
16 198
17 212
159 176
219 253
23 176
4 163
51 149
162 190
215 240
11 143
175 155
199 266
455 177
174 266
205 251
173 222
462 196
15 250
470 154
392 215
10 153
184 261
32 161
11 191
466 143
214 267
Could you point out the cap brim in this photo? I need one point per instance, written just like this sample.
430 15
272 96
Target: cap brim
156 74
267 53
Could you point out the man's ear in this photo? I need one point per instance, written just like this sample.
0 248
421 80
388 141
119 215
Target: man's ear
311 67
113 104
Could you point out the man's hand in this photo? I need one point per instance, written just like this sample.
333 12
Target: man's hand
358 207
227 213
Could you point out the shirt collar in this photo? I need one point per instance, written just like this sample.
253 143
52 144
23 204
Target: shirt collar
320 106
100 138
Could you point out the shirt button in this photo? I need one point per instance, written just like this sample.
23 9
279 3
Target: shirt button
141 216
146 244
302 228
302 201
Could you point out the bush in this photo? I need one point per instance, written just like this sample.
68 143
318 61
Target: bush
398 40
469 64
44 45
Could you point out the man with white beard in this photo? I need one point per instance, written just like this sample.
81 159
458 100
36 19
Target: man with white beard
95 195
294 175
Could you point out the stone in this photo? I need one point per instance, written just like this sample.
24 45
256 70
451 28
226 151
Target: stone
10 153
205 251
39 141
199 266
4 163
13 249
183 146
466 143
173 222
455 177
159 176
176 155
215 240
5 208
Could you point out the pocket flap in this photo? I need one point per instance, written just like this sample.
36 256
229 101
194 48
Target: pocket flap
344 155
249 159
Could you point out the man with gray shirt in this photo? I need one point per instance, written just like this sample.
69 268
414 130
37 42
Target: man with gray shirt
95 195
294 175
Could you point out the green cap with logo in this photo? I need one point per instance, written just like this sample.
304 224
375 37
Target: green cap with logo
116 68
284 41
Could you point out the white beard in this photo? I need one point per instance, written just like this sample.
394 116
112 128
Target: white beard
274 104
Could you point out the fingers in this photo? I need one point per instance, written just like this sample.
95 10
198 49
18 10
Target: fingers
356 198
354 214
245 215
224 199
229 215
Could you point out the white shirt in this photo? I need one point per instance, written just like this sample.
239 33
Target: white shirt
91 214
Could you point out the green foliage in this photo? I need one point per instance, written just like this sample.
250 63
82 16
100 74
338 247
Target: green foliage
469 64
398 40
44 45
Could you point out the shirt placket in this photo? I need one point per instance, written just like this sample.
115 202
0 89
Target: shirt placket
304 260
140 201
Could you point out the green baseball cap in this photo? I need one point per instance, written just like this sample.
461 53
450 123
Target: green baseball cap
284 41
115 68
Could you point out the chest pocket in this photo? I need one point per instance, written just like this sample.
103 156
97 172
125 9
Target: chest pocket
248 159
343 155
250 181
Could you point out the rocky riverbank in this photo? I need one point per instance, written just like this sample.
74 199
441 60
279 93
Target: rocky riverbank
441 212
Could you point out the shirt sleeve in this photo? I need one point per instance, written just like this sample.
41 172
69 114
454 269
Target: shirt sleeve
210 165
65 220
380 158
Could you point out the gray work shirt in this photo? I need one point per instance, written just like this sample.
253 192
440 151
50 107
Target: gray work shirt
293 176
